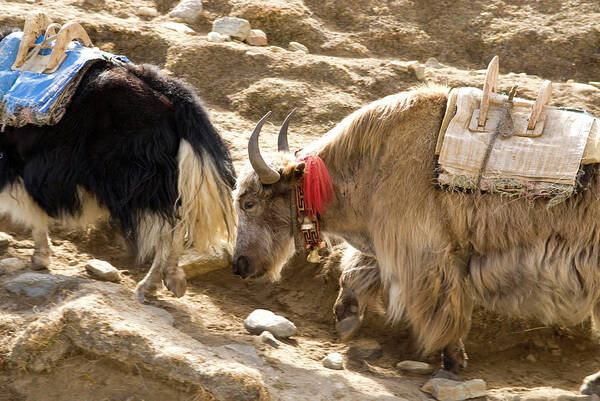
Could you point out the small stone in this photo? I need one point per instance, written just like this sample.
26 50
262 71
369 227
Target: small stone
161 314
418 70
420 368
267 338
250 53
5 240
102 270
179 27
149 12
217 37
34 284
591 385
187 10
256 37
262 319
531 358
93 2
433 63
73 263
11 264
364 350
450 390
298 47
238 28
334 361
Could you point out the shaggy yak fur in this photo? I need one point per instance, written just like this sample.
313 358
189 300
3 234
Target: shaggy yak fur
158 169
439 252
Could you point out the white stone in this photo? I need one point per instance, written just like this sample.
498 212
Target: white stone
102 270
298 47
420 368
161 314
450 390
34 284
11 264
433 63
262 319
238 28
217 37
334 361
267 338
256 37
187 10
179 27
595 84
147 12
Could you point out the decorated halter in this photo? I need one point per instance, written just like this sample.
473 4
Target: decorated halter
312 195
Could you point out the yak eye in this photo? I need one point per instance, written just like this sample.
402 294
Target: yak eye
248 205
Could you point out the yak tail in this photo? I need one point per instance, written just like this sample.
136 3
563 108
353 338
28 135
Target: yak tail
205 181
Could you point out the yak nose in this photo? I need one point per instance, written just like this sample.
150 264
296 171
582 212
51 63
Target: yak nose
241 267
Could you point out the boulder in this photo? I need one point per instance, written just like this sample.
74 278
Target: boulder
102 270
262 319
451 390
334 361
187 10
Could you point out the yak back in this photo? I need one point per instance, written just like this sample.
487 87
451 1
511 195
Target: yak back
118 140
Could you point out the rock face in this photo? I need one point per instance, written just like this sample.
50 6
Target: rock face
298 47
256 37
187 10
238 28
450 390
102 270
34 284
261 320
420 368
104 319
334 361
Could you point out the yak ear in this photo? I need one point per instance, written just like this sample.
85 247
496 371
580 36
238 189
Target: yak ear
293 173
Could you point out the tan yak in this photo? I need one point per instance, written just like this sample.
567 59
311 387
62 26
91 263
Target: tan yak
439 252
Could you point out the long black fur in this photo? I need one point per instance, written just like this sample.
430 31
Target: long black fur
118 141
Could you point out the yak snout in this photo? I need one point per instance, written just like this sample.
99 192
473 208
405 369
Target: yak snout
241 267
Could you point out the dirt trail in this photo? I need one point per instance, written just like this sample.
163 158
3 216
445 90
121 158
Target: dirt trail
358 52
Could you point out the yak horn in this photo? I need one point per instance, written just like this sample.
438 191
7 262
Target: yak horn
282 141
266 174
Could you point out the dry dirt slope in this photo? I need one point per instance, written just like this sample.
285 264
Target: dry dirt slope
355 46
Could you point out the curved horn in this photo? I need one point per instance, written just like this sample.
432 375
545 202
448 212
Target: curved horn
266 174
282 141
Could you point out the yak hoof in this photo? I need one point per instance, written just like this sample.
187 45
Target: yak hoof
591 385
39 262
446 374
176 283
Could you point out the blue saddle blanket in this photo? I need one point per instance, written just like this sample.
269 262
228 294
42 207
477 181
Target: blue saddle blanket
33 98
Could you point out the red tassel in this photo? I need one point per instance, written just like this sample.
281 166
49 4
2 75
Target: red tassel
316 186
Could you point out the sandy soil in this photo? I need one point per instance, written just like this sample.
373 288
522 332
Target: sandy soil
354 47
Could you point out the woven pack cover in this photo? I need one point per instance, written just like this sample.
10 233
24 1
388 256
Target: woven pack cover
540 162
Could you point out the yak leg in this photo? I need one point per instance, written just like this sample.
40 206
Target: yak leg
173 276
437 304
42 251
359 284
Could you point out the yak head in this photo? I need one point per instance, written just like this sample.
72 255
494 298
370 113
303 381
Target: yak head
265 214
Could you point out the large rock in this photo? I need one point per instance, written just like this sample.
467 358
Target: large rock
34 284
10 265
262 319
238 28
102 270
187 10
450 390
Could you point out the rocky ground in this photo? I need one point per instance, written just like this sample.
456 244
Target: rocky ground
65 336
